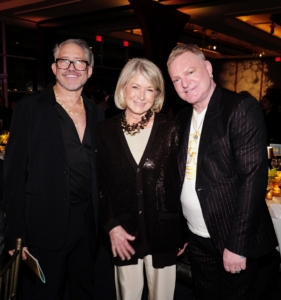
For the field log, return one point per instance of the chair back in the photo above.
(9, 274)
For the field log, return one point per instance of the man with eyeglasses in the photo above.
(50, 178)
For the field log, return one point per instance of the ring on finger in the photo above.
(238, 271)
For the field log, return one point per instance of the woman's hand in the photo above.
(183, 249)
(119, 243)
(23, 254)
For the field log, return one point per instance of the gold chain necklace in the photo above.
(63, 106)
(196, 133)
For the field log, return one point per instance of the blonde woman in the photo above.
(139, 185)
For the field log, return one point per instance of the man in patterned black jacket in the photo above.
(223, 167)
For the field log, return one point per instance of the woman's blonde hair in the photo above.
(150, 71)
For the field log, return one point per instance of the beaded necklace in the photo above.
(135, 127)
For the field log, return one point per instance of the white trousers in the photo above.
(129, 281)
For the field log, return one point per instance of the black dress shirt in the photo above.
(78, 156)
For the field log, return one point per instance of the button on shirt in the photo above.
(137, 145)
(78, 156)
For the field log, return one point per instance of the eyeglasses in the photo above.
(64, 64)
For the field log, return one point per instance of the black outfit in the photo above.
(109, 107)
(78, 156)
(143, 198)
(231, 181)
(258, 282)
(112, 110)
(50, 194)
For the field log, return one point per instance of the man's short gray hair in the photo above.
(79, 42)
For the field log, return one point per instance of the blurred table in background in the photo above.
(276, 221)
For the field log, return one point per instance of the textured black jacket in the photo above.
(144, 198)
(36, 188)
(232, 173)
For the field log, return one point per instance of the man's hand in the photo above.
(119, 243)
(232, 262)
(182, 250)
(23, 254)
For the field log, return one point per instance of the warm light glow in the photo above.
(261, 21)
(43, 7)
(278, 59)
(134, 31)
(248, 76)
(207, 50)
(14, 4)
(4, 137)
(126, 44)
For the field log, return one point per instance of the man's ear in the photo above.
(209, 67)
(90, 71)
(54, 68)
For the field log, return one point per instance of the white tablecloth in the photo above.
(277, 227)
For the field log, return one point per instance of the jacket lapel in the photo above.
(47, 103)
(211, 118)
(184, 143)
(93, 121)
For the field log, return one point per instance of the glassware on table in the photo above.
(269, 152)
(269, 195)
(276, 151)
(276, 183)
(279, 161)
(275, 163)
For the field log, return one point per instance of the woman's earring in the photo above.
(212, 76)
